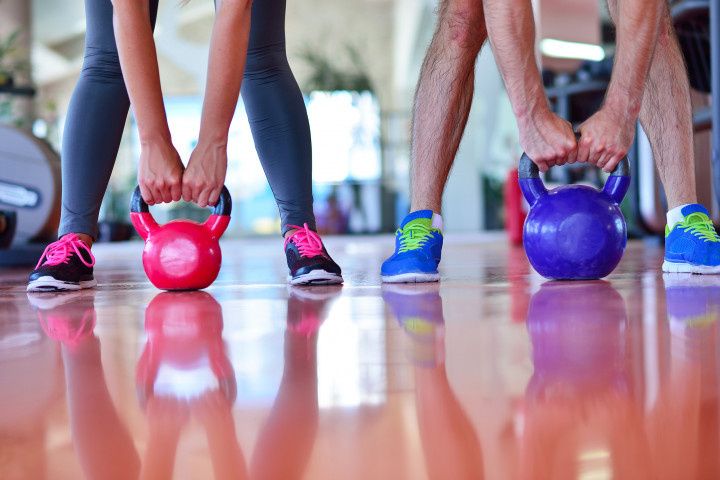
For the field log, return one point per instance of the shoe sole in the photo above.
(316, 277)
(50, 284)
(676, 267)
(411, 278)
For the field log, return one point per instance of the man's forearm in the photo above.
(511, 29)
(228, 51)
(138, 58)
(637, 23)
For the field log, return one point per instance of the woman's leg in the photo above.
(93, 130)
(95, 122)
(277, 115)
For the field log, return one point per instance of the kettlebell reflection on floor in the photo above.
(610, 393)
(581, 397)
(185, 373)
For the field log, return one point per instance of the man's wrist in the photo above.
(529, 116)
(622, 106)
(530, 105)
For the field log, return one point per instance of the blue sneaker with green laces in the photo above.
(418, 247)
(692, 245)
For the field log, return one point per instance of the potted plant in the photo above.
(10, 66)
(326, 76)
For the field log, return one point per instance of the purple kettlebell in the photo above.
(574, 232)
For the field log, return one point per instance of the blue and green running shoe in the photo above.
(418, 247)
(692, 245)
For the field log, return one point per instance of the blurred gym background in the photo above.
(357, 61)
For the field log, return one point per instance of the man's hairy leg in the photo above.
(443, 98)
(666, 114)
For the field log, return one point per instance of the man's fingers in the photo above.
(594, 156)
(612, 163)
(572, 156)
(583, 152)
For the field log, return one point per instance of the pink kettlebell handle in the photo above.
(144, 222)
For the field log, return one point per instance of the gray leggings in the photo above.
(99, 107)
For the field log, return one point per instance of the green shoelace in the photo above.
(413, 236)
(701, 226)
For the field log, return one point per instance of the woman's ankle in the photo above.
(85, 238)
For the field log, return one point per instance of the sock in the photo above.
(437, 221)
(675, 215)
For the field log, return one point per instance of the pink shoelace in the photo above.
(66, 330)
(61, 251)
(308, 242)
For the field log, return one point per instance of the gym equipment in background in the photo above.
(515, 213)
(29, 187)
(8, 222)
(182, 254)
(574, 232)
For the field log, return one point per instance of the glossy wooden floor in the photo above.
(492, 374)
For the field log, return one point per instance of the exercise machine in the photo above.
(29, 196)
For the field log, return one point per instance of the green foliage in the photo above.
(326, 75)
(10, 62)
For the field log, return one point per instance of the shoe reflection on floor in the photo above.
(684, 426)
(285, 443)
(450, 445)
(29, 387)
(103, 445)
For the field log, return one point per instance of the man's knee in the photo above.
(463, 22)
(666, 31)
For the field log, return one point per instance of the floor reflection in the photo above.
(30, 384)
(496, 375)
(102, 442)
(450, 445)
(184, 374)
(610, 397)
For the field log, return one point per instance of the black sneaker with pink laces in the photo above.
(308, 260)
(64, 265)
